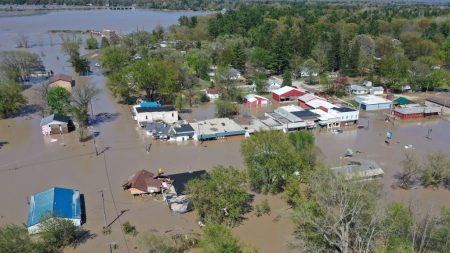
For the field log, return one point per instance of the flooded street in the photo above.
(30, 162)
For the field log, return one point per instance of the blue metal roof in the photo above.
(60, 202)
(150, 104)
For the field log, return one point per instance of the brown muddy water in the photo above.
(30, 162)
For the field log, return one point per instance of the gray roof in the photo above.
(306, 115)
(55, 117)
(418, 109)
(164, 108)
(343, 109)
(359, 169)
(157, 127)
(444, 101)
(183, 128)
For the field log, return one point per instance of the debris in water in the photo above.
(53, 140)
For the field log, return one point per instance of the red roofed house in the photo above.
(61, 80)
(253, 100)
(287, 93)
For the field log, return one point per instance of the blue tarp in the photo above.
(150, 104)
(59, 202)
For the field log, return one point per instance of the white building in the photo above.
(345, 115)
(166, 113)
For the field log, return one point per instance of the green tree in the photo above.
(304, 144)
(154, 77)
(398, 226)
(113, 59)
(353, 63)
(287, 78)
(220, 196)
(58, 99)
(260, 57)
(118, 84)
(239, 56)
(225, 108)
(15, 239)
(71, 48)
(180, 101)
(11, 98)
(217, 238)
(92, 43)
(155, 243)
(270, 159)
(57, 233)
(104, 43)
(80, 64)
(199, 64)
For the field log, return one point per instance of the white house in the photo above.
(308, 73)
(213, 93)
(166, 113)
(345, 115)
(358, 89)
(378, 90)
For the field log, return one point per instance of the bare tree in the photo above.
(42, 97)
(22, 41)
(436, 170)
(410, 169)
(82, 96)
(18, 65)
(340, 216)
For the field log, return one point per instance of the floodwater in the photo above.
(30, 162)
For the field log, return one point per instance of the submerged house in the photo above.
(61, 80)
(360, 170)
(217, 128)
(145, 182)
(373, 103)
(55, 202)
(165, 113)
(415, 111)
(56, 124)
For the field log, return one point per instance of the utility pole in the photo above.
(93, 132)
(104, 211)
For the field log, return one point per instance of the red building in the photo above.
(416, 112)
(287, 93)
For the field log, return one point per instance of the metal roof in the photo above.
(444, 101)
(418, 109)
(343, 109)
(59, 202)
(183, 128)
(306, 115)
(359, 169)
(164, 108)
(54, 117)
(403, 101)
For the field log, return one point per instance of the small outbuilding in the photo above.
(61, 80)
(252, 100)
(416, 111)
(56, 124)
(360, 170)
(54, 202)
(287, 93)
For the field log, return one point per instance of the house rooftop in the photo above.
(60, 77)
(60, 202)
(55, 117)
(403, 101)
(418, 109)
(440, 100)
(371, 99)
(217, 125)
(306, 115)
(164, 108)
(285, 89)
(344, 109)
(183, 128)
(308, 97)
(316, 103)
(361, 169)
(142, 180)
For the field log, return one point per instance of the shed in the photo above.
(287, 93)
(56, 124)
(255, 100)
(57, 202)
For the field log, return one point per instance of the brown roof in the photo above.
(440, 100)
(214, 90)
(142, 179)
(61, 77)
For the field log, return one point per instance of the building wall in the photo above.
(444, 110)
(376, 107)
(54, 129)
(63, 84)
(167, 117)
(36, 229)
(348, 116)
